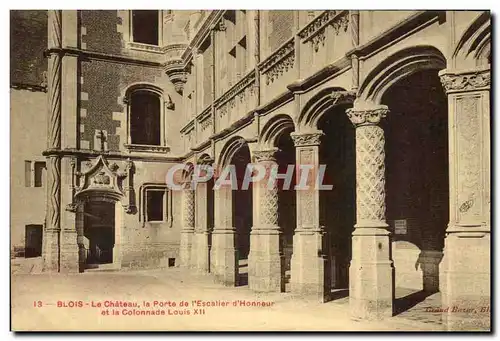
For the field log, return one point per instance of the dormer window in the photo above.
(145, 27)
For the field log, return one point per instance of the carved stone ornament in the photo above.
(106, 180)
(265, 155)
(307, 139)
(468, 81)
(367, 116)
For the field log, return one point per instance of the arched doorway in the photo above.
(417, 185)
(338, 205)
(242, 214)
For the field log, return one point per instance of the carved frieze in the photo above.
(468, 81)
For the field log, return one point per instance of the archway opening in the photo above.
(98, 233)
(417, 184)
(287, 201)
(242, 213)
(338, 205)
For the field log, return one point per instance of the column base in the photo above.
(308, 265)
(465, 282)
(223, 257)
(202, 253)
(69, 261)
(186, 244)
(371, 274)
(265, 261)
(50, 252)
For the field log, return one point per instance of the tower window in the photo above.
(145, 27)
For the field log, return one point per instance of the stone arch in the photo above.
(273, 129)
(229, 149)
(316, 107)
(474, 47)
(396, 67)
(187, 173)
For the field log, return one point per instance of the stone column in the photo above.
(308, 263)
(224, 255)
(371, 273)
(50, 252)
(200, 250)
(265, 259)
(465, 268)
(187, 232)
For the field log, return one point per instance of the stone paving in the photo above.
(173, 284)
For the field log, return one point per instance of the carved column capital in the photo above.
(265, 155)
(362, 117)
(307, 139)
(463, 81)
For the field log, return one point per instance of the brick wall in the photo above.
(280, 28)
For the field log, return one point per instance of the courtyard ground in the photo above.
(34, 302)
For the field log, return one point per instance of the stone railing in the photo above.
(279, 62)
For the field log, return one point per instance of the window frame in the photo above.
(167, 204)
(164, 105)
(131, 44)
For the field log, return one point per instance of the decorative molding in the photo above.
(145, 47)
(465, 81)
(240, 86)
(176, 72)
(367, 116)
(307, 139)
(315, 31)
(147, 148)
(29, 87)
(279, 62)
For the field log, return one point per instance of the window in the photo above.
(145, 118)
(155, 202)
(39, 174)
(145, 27)
(34, 173)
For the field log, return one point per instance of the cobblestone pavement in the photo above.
(173, 284)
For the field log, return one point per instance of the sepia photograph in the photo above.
(250, 170)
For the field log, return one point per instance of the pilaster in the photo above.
(371, 273)
(308, 263)
(224, 256)
(466, 265)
